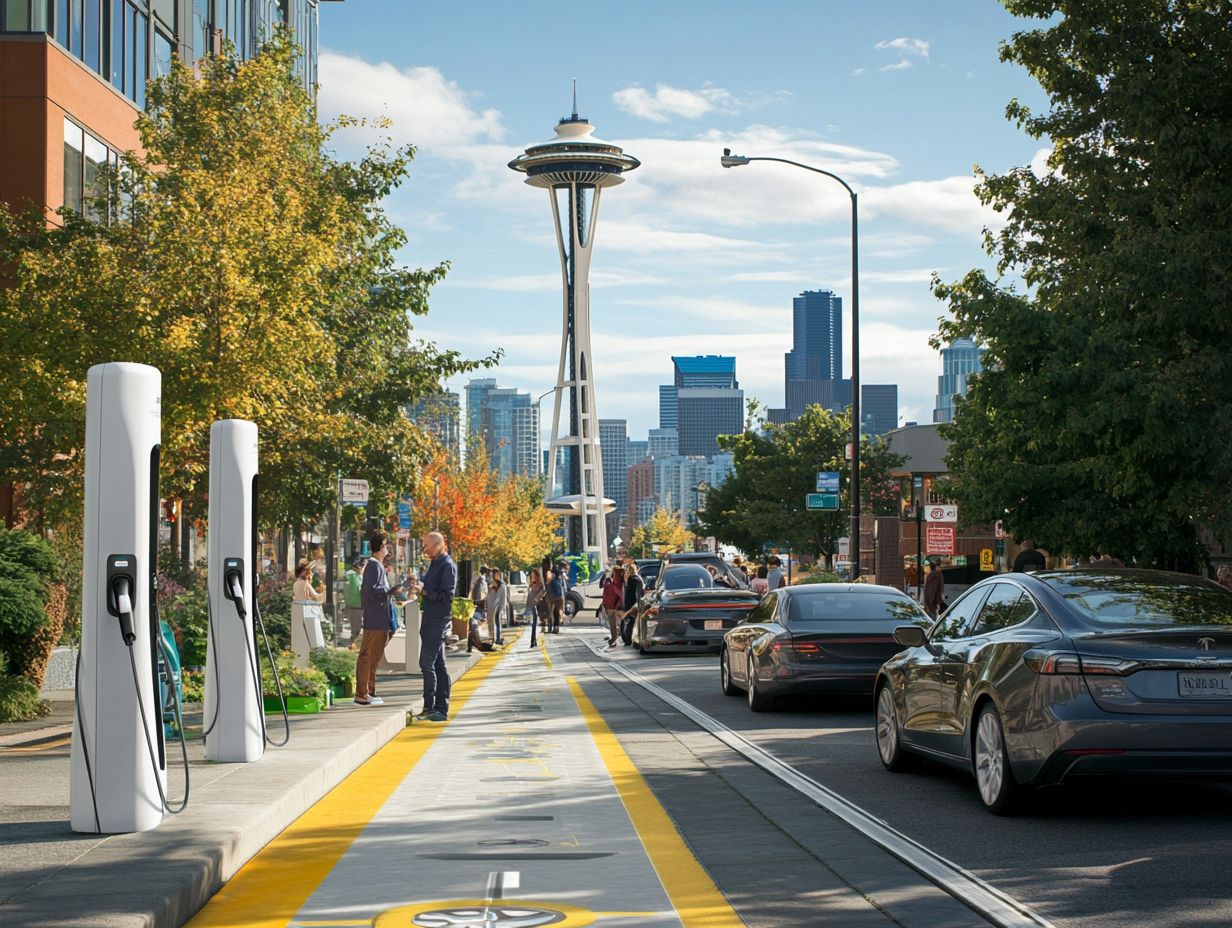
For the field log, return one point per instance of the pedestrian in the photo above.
(760, 583)
(479, 590)
(437, 587)
(1224, 577)
(934, 589)
(536, 602)
(352, 598)
(774, 574)
(614, 604)
(303, 591)
(1029, 560)
(497, 604)
(375, 594)
(556, 600)
(635, 586)
(739, 565)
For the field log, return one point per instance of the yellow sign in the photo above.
(986, 561)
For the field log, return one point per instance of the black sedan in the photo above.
(1031, 679)
(814, 638)
(687, 611)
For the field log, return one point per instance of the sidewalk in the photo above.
(52, 876)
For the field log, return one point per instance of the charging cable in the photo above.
(124, 605)
(85, 750)
(282, 699)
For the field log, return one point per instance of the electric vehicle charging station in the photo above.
(118, 771)
(234, 707)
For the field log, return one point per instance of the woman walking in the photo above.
(760, 583)
(537, 604)
(614, 604)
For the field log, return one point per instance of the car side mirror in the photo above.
(910, 636)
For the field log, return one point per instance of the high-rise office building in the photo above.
(959, 360)
(638, 451)
(73, 79)
(614, 450)
(641, 490)
(509, 429)
(677, 482)
(477, 392)
(667, 406)
(878, 408)
(707, 370)
(817, 337)
(663, 443)
(705, 414)
(440, 416)
(834, 395)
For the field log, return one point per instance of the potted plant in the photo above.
(338, 665)
(306, 689)
(462, 611)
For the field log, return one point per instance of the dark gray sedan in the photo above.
(814, 638)
(1030, 679)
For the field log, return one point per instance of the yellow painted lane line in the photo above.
(274, 885)
(543, 644)
(698, 902)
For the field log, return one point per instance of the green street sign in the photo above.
(821, 500)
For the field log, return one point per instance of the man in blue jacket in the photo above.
(437, 586)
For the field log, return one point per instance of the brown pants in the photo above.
(613, 623)
(371, 650)
(556, 606)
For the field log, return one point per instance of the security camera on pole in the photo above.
(234, 712)
(117, 780)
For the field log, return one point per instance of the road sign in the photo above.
(821, 500)
(939, 539)
(353, 492)
(827, 481)
(404, 515)
(986, 563)
(936, 512)
(773, 547)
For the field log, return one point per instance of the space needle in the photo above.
(574, 168)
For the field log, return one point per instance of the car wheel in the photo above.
(571, 607)
(758, 702)
(991, 763)
(889, 740)
(725, 675)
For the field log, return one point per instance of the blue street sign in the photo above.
(404, 515)
(828, 481)
(821, 500)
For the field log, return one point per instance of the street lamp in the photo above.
(547, 493)
(729, 160)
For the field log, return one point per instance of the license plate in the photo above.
(1205, 685)
(713, 625)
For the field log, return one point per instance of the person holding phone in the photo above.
(375, 595)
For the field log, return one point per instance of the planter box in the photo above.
(296, 705)
(343, 690)
(461, 628)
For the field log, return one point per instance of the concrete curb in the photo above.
(163, 877)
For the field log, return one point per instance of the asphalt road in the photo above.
(1096, 855)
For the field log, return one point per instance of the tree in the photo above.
(763, 500)
(1101, 420)
(523, 530)
(663, 532)
(459, 498)
(254, 269)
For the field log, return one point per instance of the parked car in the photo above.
(733, 578)
(814, 638)
(686, 610)
(1029, 680)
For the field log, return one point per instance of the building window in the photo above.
(74, 164)
(116, 25)
(91, 29)
(162, 54)
(84, 159)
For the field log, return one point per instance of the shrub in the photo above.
(296, 681)
(19, 700)
(819, 576)
(188, 616)
(338, 664)
(274, 601)
(28, 570)
(193, 683)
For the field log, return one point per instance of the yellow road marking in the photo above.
(697, 900)
(544, 647)
(274, 885)
(37, 748)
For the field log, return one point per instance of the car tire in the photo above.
(990, 762)
(758, 701)
(571, 608)
(725, 675)
(888, 734)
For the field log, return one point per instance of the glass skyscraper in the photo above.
(959, 360)
(817, 337)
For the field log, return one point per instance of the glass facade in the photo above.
(126, 42)
(84, 159)
(959, 361)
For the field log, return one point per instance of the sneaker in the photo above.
(375, 701)
(362, 702)
(611, 646)
(435, 717)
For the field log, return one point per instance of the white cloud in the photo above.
(667, 101)
(900, 65)
(424, 108)
(916, 48)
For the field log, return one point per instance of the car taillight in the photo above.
(1067, 662)
(801, 648)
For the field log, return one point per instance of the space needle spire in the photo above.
(574, 168)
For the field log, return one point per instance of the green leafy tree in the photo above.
(1101, 420)
(254, 269)
(663, 530)
(776, 467)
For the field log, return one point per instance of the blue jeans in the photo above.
(432, 665)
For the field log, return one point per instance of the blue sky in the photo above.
(902, 99)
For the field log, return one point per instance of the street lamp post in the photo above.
(731, 161)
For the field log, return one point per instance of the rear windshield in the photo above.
(1116, 601)
(686, 577)
(854, 607)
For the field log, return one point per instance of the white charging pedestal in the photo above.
(113, 787)
(233, 698)
(307, 635)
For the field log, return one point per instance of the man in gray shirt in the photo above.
(374, 595)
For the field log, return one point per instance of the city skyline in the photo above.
(695, 259)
